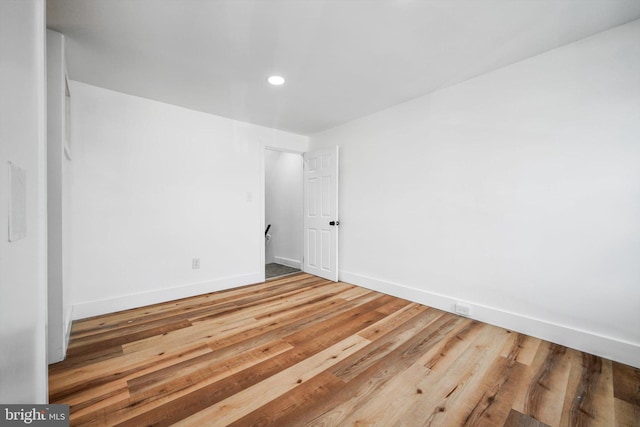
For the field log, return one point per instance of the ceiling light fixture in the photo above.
(276, 80)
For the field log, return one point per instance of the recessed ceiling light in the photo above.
(276, 80)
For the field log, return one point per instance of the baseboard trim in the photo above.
(126, 302)
(607, 347)
(288, 262)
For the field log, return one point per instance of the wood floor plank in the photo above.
(210, 302)
(572, 388)
(326, 335)
(253, 398)
(457, 387)
(89, 357)
(284, 326)
(208, 366)
(626, 414)
(98, 399)
(188, 381)
(493, 400)
(546, 393)
(142, 402)
(626, 383)
(386, 344)
(302, 350)
(256, 305)
(233, 323)
(518, 419)
(114, 338)
(393, 306)
(357, 292)
(594, 391)
(392, 321)
(527, 348)
(368, 381)
(337, 322)
(63, 385)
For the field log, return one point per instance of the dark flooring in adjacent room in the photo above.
(275, 270)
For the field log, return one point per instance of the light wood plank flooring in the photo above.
(301, 351)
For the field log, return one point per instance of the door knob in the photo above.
(332, 223)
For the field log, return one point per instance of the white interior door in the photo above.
(321, 213)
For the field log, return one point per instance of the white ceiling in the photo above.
(342, 59)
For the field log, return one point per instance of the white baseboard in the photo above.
(607, 347)
(125, 302)
(288, 262)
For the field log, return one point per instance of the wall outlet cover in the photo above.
(463, 309)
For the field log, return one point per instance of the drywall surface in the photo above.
(23, 262)
(154, 186)
(517, 191)
(283, 207)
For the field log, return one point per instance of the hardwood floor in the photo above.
(301, 351)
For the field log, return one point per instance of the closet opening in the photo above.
(283, 212)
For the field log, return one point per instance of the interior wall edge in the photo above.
(586, 341)
(111, 305)
(68, 323)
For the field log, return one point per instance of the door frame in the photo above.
(263, 196)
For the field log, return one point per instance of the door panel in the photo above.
(311, 255)
(320, 209)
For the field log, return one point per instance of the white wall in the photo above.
(156, 185)
(283, 207)
(23, 263)
(517, 191)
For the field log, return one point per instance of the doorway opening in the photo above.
(283, 212)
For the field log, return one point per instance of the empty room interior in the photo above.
(321, 213)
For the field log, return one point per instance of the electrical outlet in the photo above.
(463, 309)
(195, 263)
